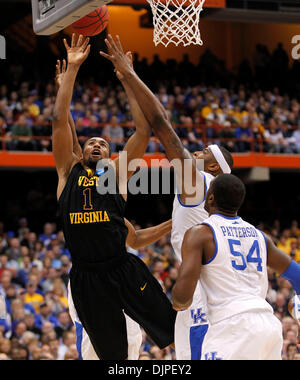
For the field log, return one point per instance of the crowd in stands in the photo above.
(34, 276)
(254, 108)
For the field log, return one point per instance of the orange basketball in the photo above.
(93, 23)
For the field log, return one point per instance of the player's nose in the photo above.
(197, 155)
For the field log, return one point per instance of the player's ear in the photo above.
(211, 199)
(214, 168)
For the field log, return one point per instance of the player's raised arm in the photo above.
(60, 72)
(138, 142)
(136, 145)
(61, 133)
(140, 238)
(158, 119)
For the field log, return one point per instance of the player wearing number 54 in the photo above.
(230, 257)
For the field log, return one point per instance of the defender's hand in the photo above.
(60, 72)
(119, 75)
(79, 50)
(121, 61)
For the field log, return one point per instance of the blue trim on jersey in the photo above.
(79, 331)
(293, 275)
(216, 244)
(198, 204)
(197, 335)
(227, 217)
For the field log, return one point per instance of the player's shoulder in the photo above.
(200, 233)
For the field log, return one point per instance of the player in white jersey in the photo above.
(192, 184)
(230, 257)
(192, 324)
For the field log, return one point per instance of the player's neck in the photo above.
(89, 170)
(229, 214)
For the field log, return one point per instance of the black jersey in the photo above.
(93, 224)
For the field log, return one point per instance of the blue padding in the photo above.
(79, 329)
(293, 275)
(197, 334)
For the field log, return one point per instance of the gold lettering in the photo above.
(100, 214)
(96, 217)
(80, 217)
(89, 217)
(106, 218)
(86, 218)
(81, 178)
(72, 217)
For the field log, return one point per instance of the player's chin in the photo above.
(91, 162)
(95, 157)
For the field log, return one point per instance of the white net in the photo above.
(176, 21)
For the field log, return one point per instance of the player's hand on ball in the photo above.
(294, 308)
(79, 49)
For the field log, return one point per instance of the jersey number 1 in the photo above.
(252, 257)
(87, 194)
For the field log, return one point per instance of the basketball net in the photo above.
(176, 21)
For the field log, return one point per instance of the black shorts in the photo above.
(100, 294)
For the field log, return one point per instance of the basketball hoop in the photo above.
(176, 21)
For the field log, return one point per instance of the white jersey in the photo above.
(235, 279)
(190, 323)
(184, 217)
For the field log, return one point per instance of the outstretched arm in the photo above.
(60, 72)
(140, 238)
(61, 134)
(191, 191)
(138, 142)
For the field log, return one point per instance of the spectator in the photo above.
(274, 139)
(64, 323)
(13, 251)
(45, 315)
(30, 321)
(66, 345)
(48, 234)
(32, 297)
(114, 134)
(227, 136)
(42, 128)
(21, 134)
(244, 135)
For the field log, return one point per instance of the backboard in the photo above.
(52, 16)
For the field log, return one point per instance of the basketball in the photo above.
(93, 23)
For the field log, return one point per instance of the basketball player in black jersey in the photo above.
(104, 279)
